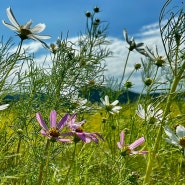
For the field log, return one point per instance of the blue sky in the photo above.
(139, 17)
(63, 16)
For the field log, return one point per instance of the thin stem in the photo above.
(43, 162)
(124, 69)
(72, 162)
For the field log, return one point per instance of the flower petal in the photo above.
(5, 106)
(41, 121)
(38, 28)
(116, 108)
(12, 18)
(107, 100)
(121, 142)
(136, 143)
(10, 26)
(141, 112)
(138, 152)
(63, 140)
(27, 25)
(83, 137)
(180, 131)
(172, 142)
(63, 121)
(53, 117)
(115, 102)
(150, 110)
(171, 134)
(125, 35)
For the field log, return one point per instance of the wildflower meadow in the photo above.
(63, 122)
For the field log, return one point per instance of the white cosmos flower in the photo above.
(151, 114)
(24, 31)
(177, 139)
(5, 106)
(79, 103)
(154, 55)
(132, 43)
(111, 108)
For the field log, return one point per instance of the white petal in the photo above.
(115, 102)
(27, 25)
(171, 142)
(148, 52)
(180, 131)
(38, 37)
(107, 100)
(38, 28)
(125, 35)
(140, 112)
(116, 108)
(10, 26)
(5, 106)
(12, 18)
(171, 134)
(150, 110)
(156, 54)
(102, 100)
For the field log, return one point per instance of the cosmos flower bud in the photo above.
(88, 14)
(128, 84)
(137, 66)
(148, 81)
(96, 9)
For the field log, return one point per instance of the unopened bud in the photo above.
(148, 81)
(128, 84)
(96, 9)
(137, 66)
(88, 14)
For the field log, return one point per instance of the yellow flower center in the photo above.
(54, 132)
(159, 61)
(79, 129)
(182, 142)
(109, 107)
(125, 151)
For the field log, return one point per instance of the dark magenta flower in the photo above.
(53, 132)
(79, 134)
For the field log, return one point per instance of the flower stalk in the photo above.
(40, 178)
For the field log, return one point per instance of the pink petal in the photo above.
(136, 143)
(63, 140)
(41, 121)
(121, 142)
(73, 118)
(53, 116)
(63, 121)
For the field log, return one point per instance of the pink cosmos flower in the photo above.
(53, 132)
(79, 134)
(129, 149)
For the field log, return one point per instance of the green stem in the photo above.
(43, 162)
(73, 160)
(151, 157)
(123, 75)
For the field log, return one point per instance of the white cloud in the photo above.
(148, 34)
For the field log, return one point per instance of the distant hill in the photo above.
(93, 95)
